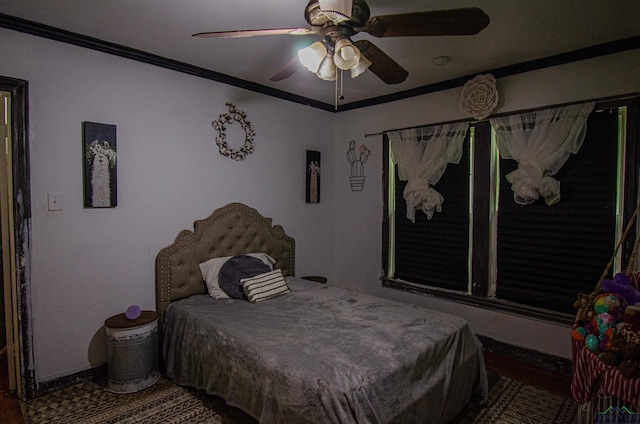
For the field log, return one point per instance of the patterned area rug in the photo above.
(511, 402)
(164, 402)
(91, 403)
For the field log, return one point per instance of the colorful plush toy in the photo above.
(606, 338)
(624, 350)
(614, 356)
(612, 314)
(629, 329)
(624, 356)
(604, 322)
(604, 325)
(610, 303)
(626, 359)
(598, 333)
(621, 284)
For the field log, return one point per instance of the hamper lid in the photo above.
(121, 320)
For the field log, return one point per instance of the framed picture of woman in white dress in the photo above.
(100, 165)
(313, 176)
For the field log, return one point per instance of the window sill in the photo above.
(481, 302)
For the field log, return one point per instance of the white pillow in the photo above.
(211, 268)
(264, 286)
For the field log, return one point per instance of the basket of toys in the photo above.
(606, 335)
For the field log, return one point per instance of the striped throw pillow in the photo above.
(264, 286)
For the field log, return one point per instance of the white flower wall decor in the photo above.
(479, 96)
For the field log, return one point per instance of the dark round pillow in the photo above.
(237, 268)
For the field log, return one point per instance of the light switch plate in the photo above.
(54, 201)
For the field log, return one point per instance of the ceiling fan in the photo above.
(336, 21)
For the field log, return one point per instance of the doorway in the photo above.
(15, 225)
(6, 217)
(4, 136)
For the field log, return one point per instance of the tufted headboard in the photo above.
(235, 229)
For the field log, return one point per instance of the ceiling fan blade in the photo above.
(256, 32)
(287, 70)
(385, 68)
(465, 21)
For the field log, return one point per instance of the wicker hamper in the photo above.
(604, 395)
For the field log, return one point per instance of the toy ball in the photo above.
(609, 303)
(579, 334)
(604, 321)
(606, 338)
(592, 342)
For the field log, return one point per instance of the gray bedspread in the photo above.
(326, 355)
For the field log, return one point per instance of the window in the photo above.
(485, 248)
(435, 252)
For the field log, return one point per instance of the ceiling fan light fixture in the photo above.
(362, 65)
(327, 69)
(312, 56)
(346, 54)
(335, 20)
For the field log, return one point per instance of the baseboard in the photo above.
(69, 380)
(531, 357)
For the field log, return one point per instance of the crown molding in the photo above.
(57, 34)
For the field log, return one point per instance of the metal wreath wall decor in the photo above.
(228, 118)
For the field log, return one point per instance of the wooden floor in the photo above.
(552, 382)
(11, 412)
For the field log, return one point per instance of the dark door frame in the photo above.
(19, 90)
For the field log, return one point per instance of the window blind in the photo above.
(436, 252)
(548, 254)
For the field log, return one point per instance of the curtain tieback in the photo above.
(529, 182)
(421, 196)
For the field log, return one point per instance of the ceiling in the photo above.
(520, 31)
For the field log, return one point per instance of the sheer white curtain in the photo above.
(422, 155)
(541, 143)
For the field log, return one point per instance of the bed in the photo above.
(314, 353)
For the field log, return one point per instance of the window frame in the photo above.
(483, 210)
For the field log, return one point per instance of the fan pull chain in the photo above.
(340, 78)
(336, 94)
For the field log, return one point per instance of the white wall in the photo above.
(358, 232)
(89, 264)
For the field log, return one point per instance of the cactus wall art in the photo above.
(357, 160)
